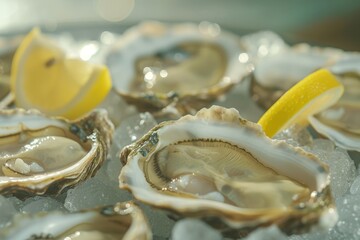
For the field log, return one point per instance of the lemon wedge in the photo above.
(42, 77)
(311, 95)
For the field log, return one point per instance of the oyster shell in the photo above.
(222, 168)
(41, 155)
(340, 123)
(121, 221)
(182, 67)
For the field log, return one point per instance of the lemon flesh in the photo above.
(44, 78)
(311, 95)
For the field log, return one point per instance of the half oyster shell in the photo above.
(340, 123)
(41, 155)
(183, 67)
(222, 168)
(122, 221)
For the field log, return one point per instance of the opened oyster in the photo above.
(41, 154)
(122, 221)
(222, 168)
(340, 123)
(182, 67)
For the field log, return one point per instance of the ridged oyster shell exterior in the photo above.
(122, 221)
(218, 124)
(43, 154)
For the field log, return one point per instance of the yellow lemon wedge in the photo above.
(311, 95)
(42, 77)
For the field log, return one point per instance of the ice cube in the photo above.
(355, 187)
(117, 108)
(7, 211)
(133, 128)
(261, 44)
(342, 168)
(108, 174)
(355, 156)
(311, 236)
(159, 221)
(112, 169)
(270, 233)
(349, 218)
(295, 135)
(323, 145)
(17, 203)
(193, 229)
(130, 130)
(239, 99)
(93, 193)
(41, 204)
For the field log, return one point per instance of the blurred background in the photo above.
(326, 23)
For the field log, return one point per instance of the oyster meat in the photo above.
(121, 221)
(40, 154)
(183, 67)
(222, 168)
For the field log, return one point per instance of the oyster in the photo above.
(182, 67)
(122, 221)
(340, 123)
(222, 168)
(41, 155)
